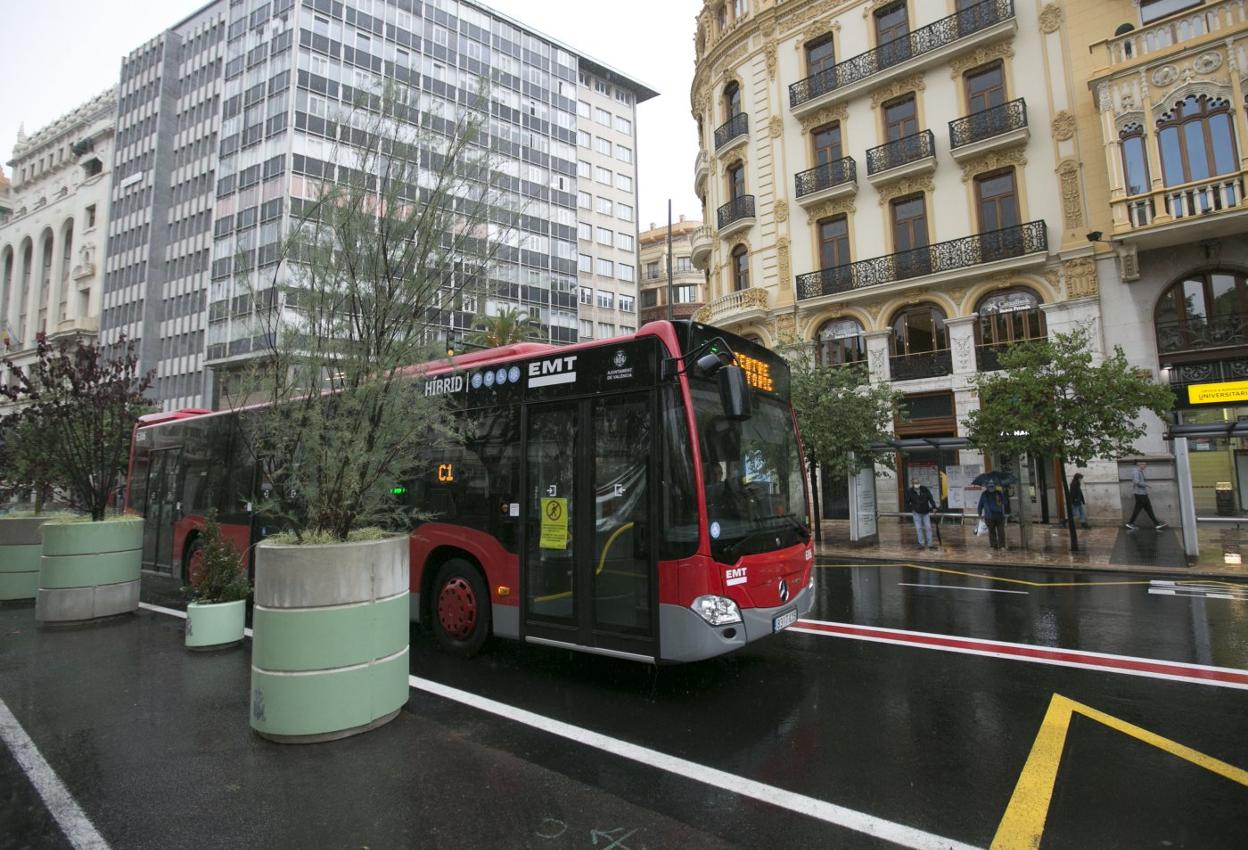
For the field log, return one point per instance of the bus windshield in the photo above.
(755, 490)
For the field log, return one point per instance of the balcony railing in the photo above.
(737, 125)
(1196, 23)
(988, 123)
(826, 176)
(901, 151)
(728, 306)
(923, 40)
(1193, 199)
(969, 251)
(927, 364)
(735, 210)
(1217, 332)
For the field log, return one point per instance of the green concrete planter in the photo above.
(89, 570)
(215, 625)
(329, 655)
(20, 546)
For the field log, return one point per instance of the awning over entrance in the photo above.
(1208, 429)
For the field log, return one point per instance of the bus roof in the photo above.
(171, 415)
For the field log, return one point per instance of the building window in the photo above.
(603, 268)
(686, 294)
(985, 87)
(602, 116)
(649, 298)
(586, 293)
(684, 264)
(909, 219)
(603, 146)
(584, 200)
(1204, 310)
(606, 300)
(891, 28)
(605, 330)
(840, 341)
(582, 109)
(91, 216)
(604, 206)
(627, 304)
(901, 118)
(602, 175)
(833, 242)
(1196, 140)
(740, 8)
(585, 263)
(1151, 10)
(624, 241)
(623, 154)
(1009, 316)
(740, 268)
(624, 212)
(919, 330)
(627, 273)
(584, 230)
(736, 181)
(583, 138)
(732, 100)
(623, 125)
(827, 143)
(605, 236)
(1134, 159)
(996, 200)
(623, 182)
(819, 55)
(586, 329)
(652, 271)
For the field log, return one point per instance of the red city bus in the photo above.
(625, 497)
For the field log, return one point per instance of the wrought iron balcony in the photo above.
(834, 173)
(926, 364)
(737, 125)
(924, 40)
(988, 123)
(901, 151)
(966, 252)
(1194, 335)
(735, 210)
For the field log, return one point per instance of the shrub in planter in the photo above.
(217, 612)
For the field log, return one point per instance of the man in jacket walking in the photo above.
(993, 508)
(1139, 489)
(920, 504)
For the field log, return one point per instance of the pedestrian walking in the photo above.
(1139, 489)
(993, 507)
(1078, 505)
(920, 504)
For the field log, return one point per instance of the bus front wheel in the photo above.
(193, 563)
(461, 608)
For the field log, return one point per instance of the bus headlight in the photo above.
(716, 610)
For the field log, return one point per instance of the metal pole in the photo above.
(669, 259)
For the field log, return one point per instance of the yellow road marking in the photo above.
(1022, 826)
(1002, 579)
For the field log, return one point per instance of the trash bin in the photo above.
(1226, 498)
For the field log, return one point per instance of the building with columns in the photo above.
(1161, 128)
(688, 291)
(895, 183)
(52, 240)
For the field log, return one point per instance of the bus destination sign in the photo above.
(757, 373)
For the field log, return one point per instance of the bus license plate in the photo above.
(785, 620)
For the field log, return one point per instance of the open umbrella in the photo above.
(1001, 479)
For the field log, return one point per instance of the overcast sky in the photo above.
(60, 53)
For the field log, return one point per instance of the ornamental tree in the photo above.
(1050, 400)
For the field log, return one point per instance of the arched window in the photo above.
(1203, 310)
(919, 330)
(1196, 140)
(840, 341)
(1006, 317)
(6, 287)
(740, 268)
(732, 100)
(1134, 159)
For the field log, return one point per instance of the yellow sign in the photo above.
(1229, 391)
(446, 472)
(554, 524)
(757, 373)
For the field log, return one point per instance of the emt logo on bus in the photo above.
(757, 373)
(560, 370)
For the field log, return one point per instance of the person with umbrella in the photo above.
(993, 507)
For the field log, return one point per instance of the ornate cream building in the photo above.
(52, 242)
(688, 283)
(897, 183)
(1162, 135)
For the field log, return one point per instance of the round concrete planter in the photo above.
(89, 570)
(215, 625)
(20, 545)
(329, 655)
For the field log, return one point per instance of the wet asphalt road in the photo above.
(919, 736)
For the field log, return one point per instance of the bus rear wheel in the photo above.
(460, 608)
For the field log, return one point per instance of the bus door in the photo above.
(160, 511)
(589, 568)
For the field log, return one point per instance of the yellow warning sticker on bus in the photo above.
(554, 524)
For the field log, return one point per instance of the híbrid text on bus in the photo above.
(630, 497)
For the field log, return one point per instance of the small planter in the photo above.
(20, 546)
(89, 570)
(329, 654)
(215, 625)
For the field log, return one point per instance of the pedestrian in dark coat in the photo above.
(920, 504)
(992, 508)
(1078, 505)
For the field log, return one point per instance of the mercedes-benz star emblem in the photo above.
(784, 591)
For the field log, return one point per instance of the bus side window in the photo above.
(679, 524)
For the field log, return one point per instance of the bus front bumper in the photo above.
(684, 636)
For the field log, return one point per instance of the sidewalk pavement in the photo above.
(1100, 548)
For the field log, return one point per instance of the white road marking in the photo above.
(76, 826)
(960, 587)
(831, 813)
(1209, 590)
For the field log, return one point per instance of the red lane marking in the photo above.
(1066, 655)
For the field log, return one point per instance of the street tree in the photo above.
(79, 405)
(843, 416)
(377, 260)
(1050, 400)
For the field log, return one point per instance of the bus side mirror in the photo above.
(734, 393)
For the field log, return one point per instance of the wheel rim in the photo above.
(195, 567)
(457, 608)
